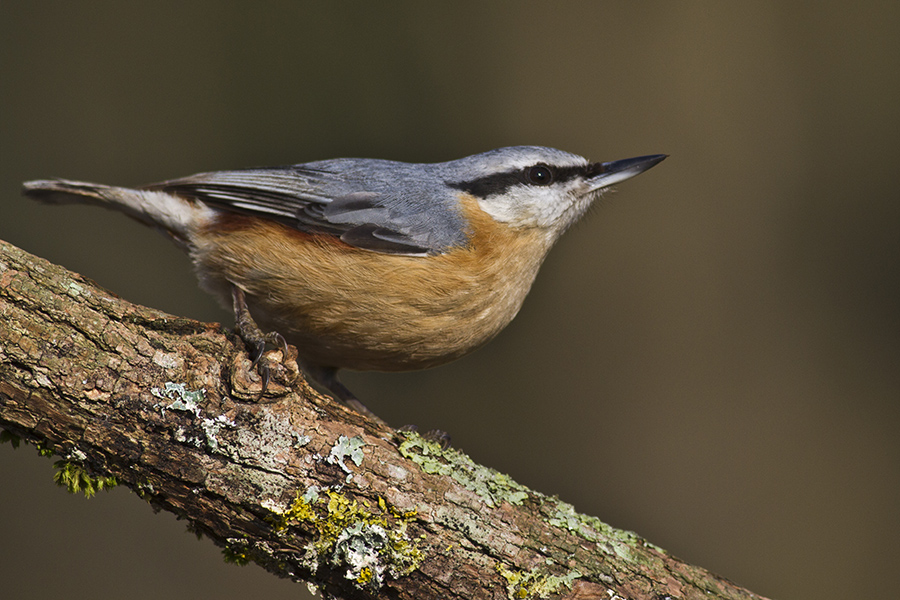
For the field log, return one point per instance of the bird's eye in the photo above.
(539, 175)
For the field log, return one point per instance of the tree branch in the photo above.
(293, 481)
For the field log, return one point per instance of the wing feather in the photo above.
(309, 199)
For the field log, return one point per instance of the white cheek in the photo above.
(529, 208)
(575, 211)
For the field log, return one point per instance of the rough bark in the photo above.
(292, 481)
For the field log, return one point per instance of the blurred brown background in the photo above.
(710, 358)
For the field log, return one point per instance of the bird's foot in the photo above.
(438, 436)
(326, 377)
(256, 340)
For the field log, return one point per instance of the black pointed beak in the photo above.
(610, 173)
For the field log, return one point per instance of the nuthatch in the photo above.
(369, 264)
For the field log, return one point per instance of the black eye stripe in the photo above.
(499, 183)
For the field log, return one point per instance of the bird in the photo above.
(368, 264)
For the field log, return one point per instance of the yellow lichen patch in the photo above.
(369, 546)
(536, 583)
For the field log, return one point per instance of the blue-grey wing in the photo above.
(363, 213)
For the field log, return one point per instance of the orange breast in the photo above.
(346, 307)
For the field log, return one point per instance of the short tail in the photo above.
(177, 216)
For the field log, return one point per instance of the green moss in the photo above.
(236, 554)
(536, 583)
(70, 472)
(43, 449)
(368, 545)
(492, 486)
(144, 490)
(75, 478)
(9, 436)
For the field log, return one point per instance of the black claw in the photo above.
(257, 354)
(442, 438)
(281, 343)
(263, 370)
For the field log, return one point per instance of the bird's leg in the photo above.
(253, 336)
(438, 436)
(327, 378)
